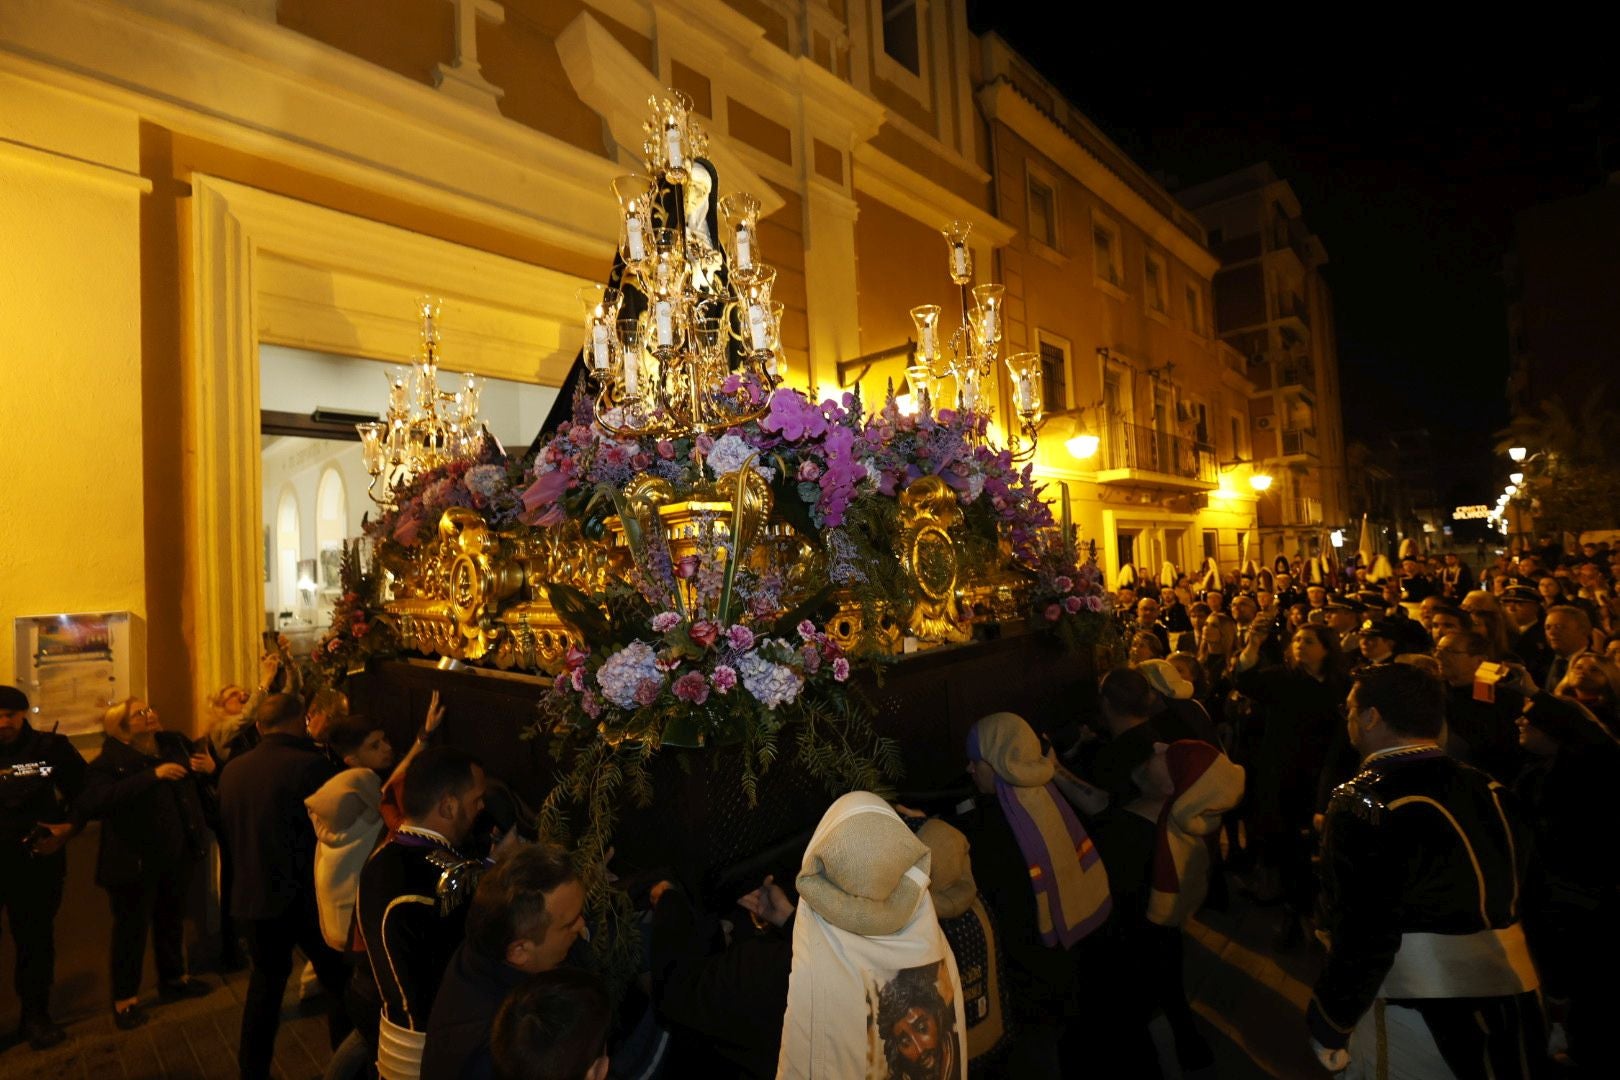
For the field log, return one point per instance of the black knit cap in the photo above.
(13, 699)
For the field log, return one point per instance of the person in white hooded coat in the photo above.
(874, 991)
(347, 814)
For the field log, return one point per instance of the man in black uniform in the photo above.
(412, 903)
(40, 773)
(1422, 868)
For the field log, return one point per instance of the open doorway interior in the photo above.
(315, 488)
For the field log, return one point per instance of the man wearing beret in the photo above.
(40, 774)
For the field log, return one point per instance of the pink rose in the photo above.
(704, 443)
(686, 567)
(1062, 583)
(809, 471)
(576, 656)
(640, 460)
(1071, 604)
(840, 669)
(1094, 603)
(723, 679)
(704, 632)
(577, 677)
(1052, 612)
(666, 449)
(692, 687)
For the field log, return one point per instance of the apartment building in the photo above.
(1274, 308)
(1109, 279)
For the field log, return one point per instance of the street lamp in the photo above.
(1260, 482)
(1516, 478)
(1517, 453)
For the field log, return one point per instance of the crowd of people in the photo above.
(1407, 768)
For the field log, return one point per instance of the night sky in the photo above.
(1409, 168)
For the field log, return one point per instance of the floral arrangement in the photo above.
(360, 628)
(488, 483)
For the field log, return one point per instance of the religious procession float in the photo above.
(699, 559)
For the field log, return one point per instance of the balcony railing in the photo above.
(1298, 441)
(1144, 449)
(1296, 372)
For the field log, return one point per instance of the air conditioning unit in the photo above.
(1264, 423)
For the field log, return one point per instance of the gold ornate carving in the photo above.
(475, 594)
(928, 511)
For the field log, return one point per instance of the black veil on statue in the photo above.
(668, 208)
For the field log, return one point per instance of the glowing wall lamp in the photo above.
(1084, 445)
(1516, 478)
(1260, 482)
(1517, 453)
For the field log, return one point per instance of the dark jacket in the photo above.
(261, 797)
(147, 824)
(408, 934)
(40, 773)
(722, 1005)
(1040, 979)
(1419, 843)
(470, 995)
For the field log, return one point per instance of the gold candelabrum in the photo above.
(969, 355)
(669, 370)
(426, 426)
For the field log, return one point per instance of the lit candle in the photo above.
(663, 314)
(599, 343)
(758, 331)
(633, 240)
(927, 345)
(672, 146)
(959, 260)
(630, 360)
(969, 394)
(745, 254)
(1026, 394)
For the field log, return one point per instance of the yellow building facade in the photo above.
(1108, 279)
(188, 186)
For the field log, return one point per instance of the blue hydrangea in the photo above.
(770, 684)
(625, 671)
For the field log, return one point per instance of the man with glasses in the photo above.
(1423, 865)
(40, 775)
(1480, 714)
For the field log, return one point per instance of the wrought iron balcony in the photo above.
(1142, 456)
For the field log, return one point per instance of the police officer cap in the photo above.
(1381, 627)
(1522, 593)
(1346, 603)
(13, 699)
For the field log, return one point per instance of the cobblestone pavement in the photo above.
(1251, 999)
